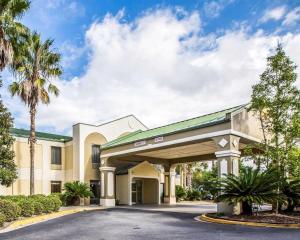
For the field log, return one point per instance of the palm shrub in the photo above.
(180, 192)
(291, 190)
(193, 194)
(76, 190)
(251, 186)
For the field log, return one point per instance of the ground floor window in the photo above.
(55, 186)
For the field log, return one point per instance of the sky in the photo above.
(162, 61)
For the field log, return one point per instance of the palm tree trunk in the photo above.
(189, 176)
(32, 141)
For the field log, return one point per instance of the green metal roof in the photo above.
(197, 122)
(17, 132)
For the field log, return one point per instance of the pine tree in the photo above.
(276, 100)
(8, 168)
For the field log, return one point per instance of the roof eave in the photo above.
(226, 119)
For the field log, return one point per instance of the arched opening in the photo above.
(92, 145)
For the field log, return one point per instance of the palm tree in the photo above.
(10, 30)
(251, 186)
(76, 190)
(291, 190)
(35, 67)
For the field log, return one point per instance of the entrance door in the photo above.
(95, 188)
(137, 192)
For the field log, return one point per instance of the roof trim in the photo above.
(226, 119)
(105, 123)
(24, 133)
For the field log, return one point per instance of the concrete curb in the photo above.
(42, 218)
(205, 218)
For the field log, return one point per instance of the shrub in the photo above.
(57, 202)
(193, 194)
(61, 197)
(251, 186)
(10, 209)
(180, 193)
(76, 190)
(38, 207)
(47, 203)
(2, 219)
(291, 190)
(27, 207)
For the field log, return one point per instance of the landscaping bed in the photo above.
(262, 217)
(18, 207)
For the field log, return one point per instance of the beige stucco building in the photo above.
(126, 163)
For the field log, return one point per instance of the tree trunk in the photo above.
(32, 141)
(246, 208)
(189, 176)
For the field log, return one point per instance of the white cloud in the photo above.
(292, 17)
(159, 68)
(213, 8)
(273, 14)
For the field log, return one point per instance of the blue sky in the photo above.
(67, 20)
(160, 60)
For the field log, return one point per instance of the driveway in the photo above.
(130, 224)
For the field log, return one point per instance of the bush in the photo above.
(38, 207)
(193, 194)
(57, 202)
(76, 190)
(61, 197)
(180, 193)
(47, 202)
(27, 207)
(2, 219)
(250, 187)
(10, 209)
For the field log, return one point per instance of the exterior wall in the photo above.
(150, 191)
(122, 190)
(69, 162)
(110, 131)
(247, 123)
(91, 172)
(44, 172)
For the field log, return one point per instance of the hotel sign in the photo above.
(158, 139)
(140, 143)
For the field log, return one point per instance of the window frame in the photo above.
(92, 157)
(58, 163)
(55, 183)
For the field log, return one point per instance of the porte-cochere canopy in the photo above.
(218, 136)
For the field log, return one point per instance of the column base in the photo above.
(225, 208)
(170, 200)
(107, 202)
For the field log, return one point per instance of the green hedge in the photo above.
(2, 219)
(27, 207)
(12, 207)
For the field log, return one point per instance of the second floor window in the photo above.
(95, 153)
(56, 155)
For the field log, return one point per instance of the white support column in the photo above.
(107, 176)
(228, 156)
(169, 185)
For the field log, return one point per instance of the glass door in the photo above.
(95, 188)
(137, 192)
